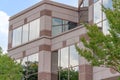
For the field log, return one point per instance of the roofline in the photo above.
(41, 3)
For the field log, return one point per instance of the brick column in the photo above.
(44, 70)
(85, 70)
(10, 37)
(91, 12)
(47, 59)
(48, 64)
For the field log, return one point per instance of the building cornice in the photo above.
(42, 3)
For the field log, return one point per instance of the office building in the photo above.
(46, 33)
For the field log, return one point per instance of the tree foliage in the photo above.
(63, 74)
(30, 70)
(101, 49)
(9, 68)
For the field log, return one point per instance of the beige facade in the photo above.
(41, 43)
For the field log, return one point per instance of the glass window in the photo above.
(24, 61)
(33, 58)
(25, 33)
(97, 12)
(30, 67)
(59, 26)
(56, 30)
(107, 3)
(34, 29)
(18, 60)
(65, 27)
(105, 27)
(73, 56)
(65, 22)
(68, 63)
(99, 25)
(104, 16)
(64, 57)
(17, 34)
(95, 0)
(81, 5)
(71, 25)
(56, 21)
(86, 3)
(59, 58)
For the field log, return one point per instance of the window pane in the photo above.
(97, 12)
(64, 57)
(25, 34)
(107, 3)
(56, 21)
(99, 25)
(105, 27)
(65, 28)
(104, 16)
(33, 58)
(95, 0)
(18, 60)
(71, 25)
(24, 61)
(59, 26)
(32, 68)
(73, 56)
(34, 29)
(56, 30)
(17, 33)
(86, 3)
(59, 58)
(81, 5)
(65, 22)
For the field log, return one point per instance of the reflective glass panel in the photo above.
(104, 16)
(95, 0)
(24, 61)
(59, 26)
(107, 3)
(34, 29)
(59, 58)
(97, 12)
(56, 30)
(25, 33)
(73, 56)
(65, 22)
(64, 57)
(99, 25)
(33, 58)
(17, 34)
(86, 3)
(105, 27)
(65, 27)
(71, 25)
(56, 21)
(18, 60)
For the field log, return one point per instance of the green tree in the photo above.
(63, 74)
(9, 68)
(30, 70)
(100, 49)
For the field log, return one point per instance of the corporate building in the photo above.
(46, 33)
